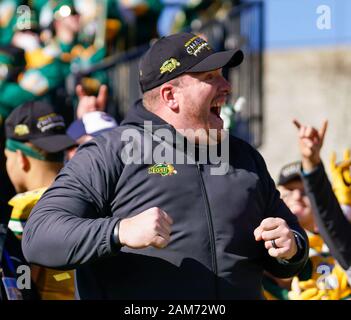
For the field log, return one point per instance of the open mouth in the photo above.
(216, 111)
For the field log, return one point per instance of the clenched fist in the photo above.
(152, 227)
(278, 239)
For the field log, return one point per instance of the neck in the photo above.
(42, 174)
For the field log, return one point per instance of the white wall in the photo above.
(310, 85)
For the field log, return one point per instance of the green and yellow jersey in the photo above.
(51, 284)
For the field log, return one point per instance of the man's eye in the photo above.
(209, 76)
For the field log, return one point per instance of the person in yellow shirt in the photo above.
(35, 144)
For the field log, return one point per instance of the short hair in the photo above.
(151, 97)
(49, 157)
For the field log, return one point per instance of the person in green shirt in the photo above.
(8, 19)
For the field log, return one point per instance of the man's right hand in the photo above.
(152, 227)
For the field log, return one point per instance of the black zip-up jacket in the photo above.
(212, 253)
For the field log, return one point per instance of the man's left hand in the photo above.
(276, 229)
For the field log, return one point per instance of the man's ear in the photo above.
(22, 161)
(168, 97)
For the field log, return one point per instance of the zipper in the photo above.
(210, 227)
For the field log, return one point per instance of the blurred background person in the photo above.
(332, 221)
(35, 145)
(89, 126)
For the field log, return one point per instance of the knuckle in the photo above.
(279, 221)
(157, 218)
(289, 243)
(155, 215)
(272, 252)
(287, 232)
(163, 243)
(264, 236)
(154, 225)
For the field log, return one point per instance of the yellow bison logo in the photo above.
(169, 65)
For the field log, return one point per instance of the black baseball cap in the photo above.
(171, 56)
(290, 172)
(38, 123)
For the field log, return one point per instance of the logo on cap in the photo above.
(169, 65)
(52, 120)
(21, 130)
(293, 168)
(196, 45)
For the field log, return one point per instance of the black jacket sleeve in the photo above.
(275, 207)
(333, 226)
(72, 223)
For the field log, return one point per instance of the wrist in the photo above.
(121, 227)
(300, 251)
(116, 235)
(299, 247)
(309, 165)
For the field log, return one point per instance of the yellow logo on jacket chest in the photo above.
(162, 169)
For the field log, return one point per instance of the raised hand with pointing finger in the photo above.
(310, 143)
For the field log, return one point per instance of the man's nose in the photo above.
(225, 85)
